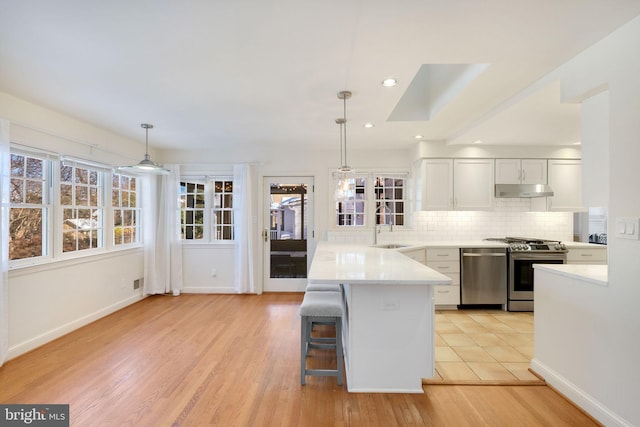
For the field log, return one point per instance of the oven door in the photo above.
(521, 272)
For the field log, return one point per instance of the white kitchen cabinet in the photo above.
(447, 262)
(565, 179)
(596, 255)
(462, 184)
(521, 171)
(473, 184)
(437, 184)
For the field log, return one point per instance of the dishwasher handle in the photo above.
(489, 254)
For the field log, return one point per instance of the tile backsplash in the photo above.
(510, 217)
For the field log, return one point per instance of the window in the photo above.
(223, 209)
(81, 201)
(126, 217)
(389, 196)
(29, 209)
(351, 212)
(387, 192)
(192, 209)
(206, 209)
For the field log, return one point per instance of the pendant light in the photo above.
(345, 177)
(147, 165)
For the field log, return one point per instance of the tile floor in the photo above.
(484, 345)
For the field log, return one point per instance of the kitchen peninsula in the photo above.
(389, 315)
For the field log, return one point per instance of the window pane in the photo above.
(66, 174)
(17, 165)
(17, 191)
(25, 233)
(34, 192)
(82, 176)
(35, 168)
(82, 196)
(66, 192)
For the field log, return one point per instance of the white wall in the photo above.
(614, 347)
(48, 301)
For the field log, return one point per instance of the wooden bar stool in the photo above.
(326, 308)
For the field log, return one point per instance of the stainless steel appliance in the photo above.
(523, 253)
(483, 276)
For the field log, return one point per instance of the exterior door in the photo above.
(288, 232)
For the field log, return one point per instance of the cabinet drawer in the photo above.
(587, 255)
(443, 254)
(445, 267)
(446, 295)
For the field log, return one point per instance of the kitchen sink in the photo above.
(390, 246)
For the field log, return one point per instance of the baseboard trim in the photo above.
(577, 396)
(33, 343)
(208, 290)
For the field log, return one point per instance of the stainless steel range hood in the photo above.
(523, 190)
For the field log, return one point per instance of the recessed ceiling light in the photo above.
(478, 141)
(368, 125)
(419, 136)
(390, 82)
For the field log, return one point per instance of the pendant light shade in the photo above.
(146, 166)
(345, 176)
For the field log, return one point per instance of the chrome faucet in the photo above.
(377, 228)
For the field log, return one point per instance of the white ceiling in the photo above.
(210, 73)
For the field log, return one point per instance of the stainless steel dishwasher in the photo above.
(483, 276)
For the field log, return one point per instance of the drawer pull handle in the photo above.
(443, 292)
(586, 254)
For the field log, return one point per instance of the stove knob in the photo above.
(563, 247)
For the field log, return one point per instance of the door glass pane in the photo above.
(288, 231)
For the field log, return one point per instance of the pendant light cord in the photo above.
(344, 103)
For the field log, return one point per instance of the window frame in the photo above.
(54, 227)
(137, 211)
(371, 202)
(209, 232)
(46, 206)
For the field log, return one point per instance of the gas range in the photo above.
(531, 245)
(523, 254)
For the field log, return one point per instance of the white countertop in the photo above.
(597, 274)
(347, 263)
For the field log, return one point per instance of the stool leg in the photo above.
(339, 350)
(303, 349)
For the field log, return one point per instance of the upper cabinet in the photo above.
(463, 184)
(521, 171)
(473, 184)
(437, 184)
(565, 179)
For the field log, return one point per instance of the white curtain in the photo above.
(5, 165)
(162, 243)
(244, 221)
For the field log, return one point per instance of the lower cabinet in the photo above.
(447, 262)
(593, 255)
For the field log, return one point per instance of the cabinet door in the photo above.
(473, 184)
(565, 179)
(508, 171)
(437, 184)
(534, 171)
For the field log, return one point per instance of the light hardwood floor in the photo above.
(233, 360)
